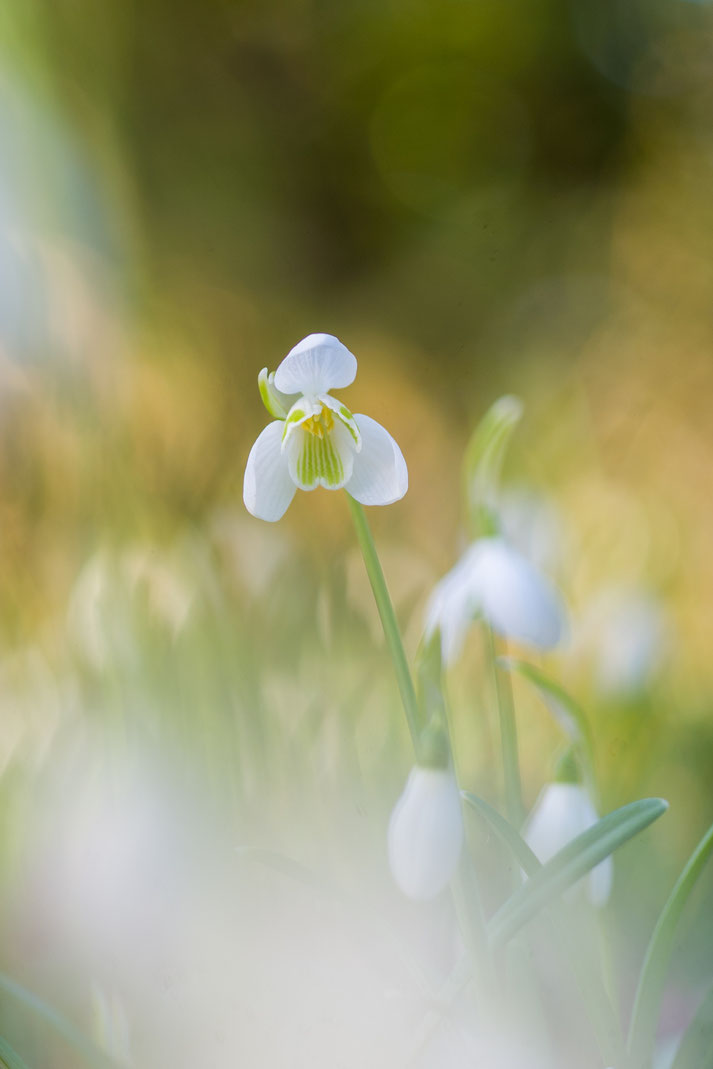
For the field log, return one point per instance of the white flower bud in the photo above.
(426, 833)
(561, 813)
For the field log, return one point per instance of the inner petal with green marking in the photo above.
(320, 452)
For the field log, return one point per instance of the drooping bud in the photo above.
(426, 833)
(561, 813)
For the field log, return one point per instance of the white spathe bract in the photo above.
(426, 833)
(561, 813)
(494, 581)
(316, 441)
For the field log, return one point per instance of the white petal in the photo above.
(514, 597)
(558, 816)
(426, 833)
(316, 364)
(452, 608)
(267, 487)
(380, 474)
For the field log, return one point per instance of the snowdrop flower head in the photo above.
(562, 812)
(315, 440)
(492, 580)
(630, 639)
(426, 833)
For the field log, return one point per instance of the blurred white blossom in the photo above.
(561, 813)
(493, 581)
(426, 833)
(624, 635)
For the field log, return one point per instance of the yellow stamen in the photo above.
(321, 424)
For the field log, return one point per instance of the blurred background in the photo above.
(476, 198)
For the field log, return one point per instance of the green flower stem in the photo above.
(468, 906)
(388, 621)
(508, 734)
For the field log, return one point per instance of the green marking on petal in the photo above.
(349, 422)
(296, 414)
(319, 462)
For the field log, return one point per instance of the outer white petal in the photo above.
(514, 597)
(559, 815)
(562, 812)
(380, 475)
(267, 487)
(426, 833)
(452, 607)
(316, 364)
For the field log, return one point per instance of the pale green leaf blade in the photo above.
(696, 1047)
(9, 1056)
(647, 1002)
(508, 835)
(90, 1053)
(483, 460)
(597, 1003)
(568, 714)
(575, 860)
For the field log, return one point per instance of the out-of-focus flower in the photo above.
(315, 440)
(625, 634)
(493, 581)
(561, 813)
(426, 833)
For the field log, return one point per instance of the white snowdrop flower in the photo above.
(315, 440)
(561, 813)
(493, 581)
(629, 634)
(426, 833)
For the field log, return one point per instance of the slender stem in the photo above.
(468, 906)
(388, 620)
(508, 735)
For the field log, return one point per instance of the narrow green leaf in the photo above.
(91, 1054)
(508, 835)
(389, 622)
(642, 1030)
(483, 460)
(597, 1003)
(575, 860)
(568, 714)
(696, 1047)
(9, 1056)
